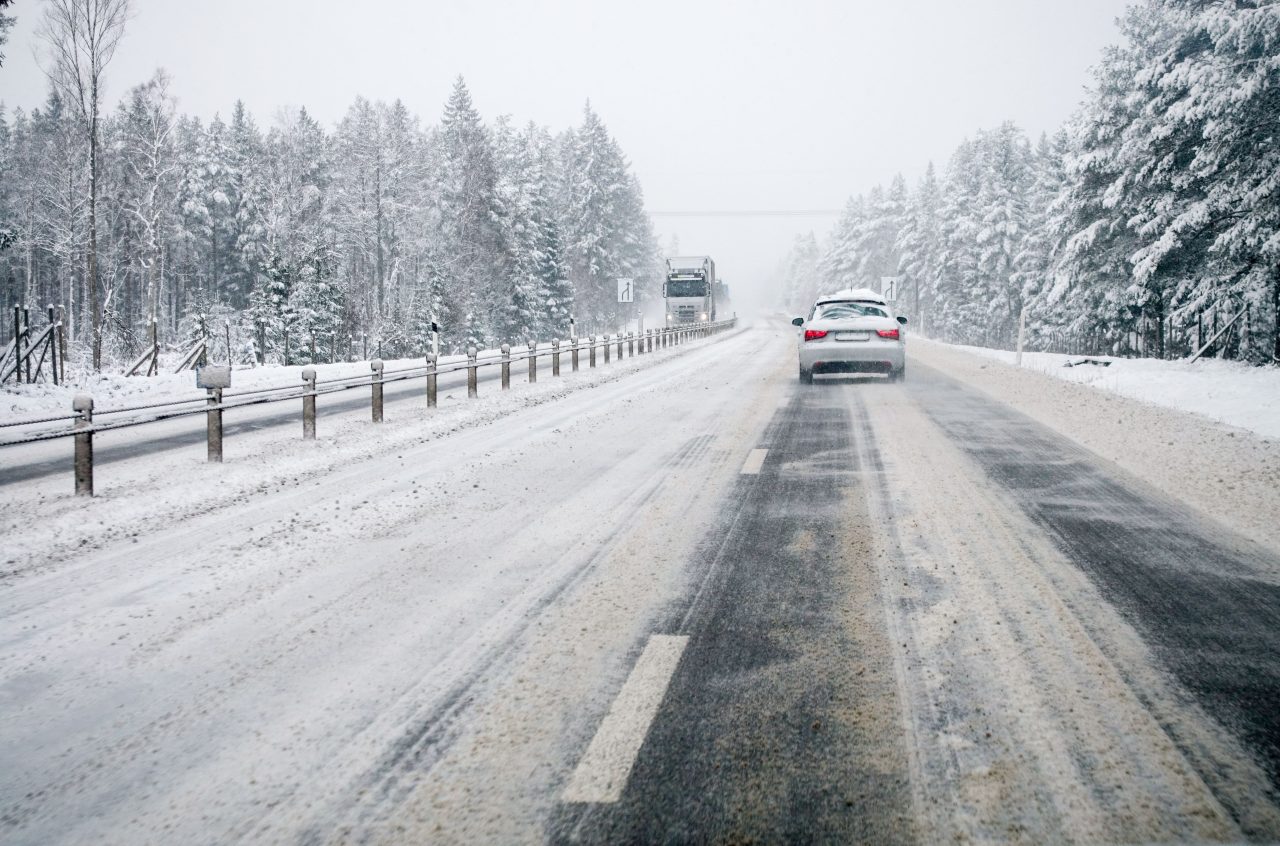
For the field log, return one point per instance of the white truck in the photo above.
(690, 290)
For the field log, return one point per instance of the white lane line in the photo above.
(755, 460)
(604, 768)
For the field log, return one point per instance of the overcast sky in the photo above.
(720, 105)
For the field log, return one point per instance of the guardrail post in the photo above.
(555, 356)
(631, 344)
(83, 406)
(619, 346)
(533, 361)
(431, 380)
(506, 366)
(376, 365)
(573, 353)
(473, 389)
(605, 339)
(591, 351)
(309, 404)
(214, 425)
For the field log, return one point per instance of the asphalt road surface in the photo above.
(697, 603)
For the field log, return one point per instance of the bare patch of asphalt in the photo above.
(782, 722)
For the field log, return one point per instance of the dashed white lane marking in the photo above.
(604, 768)
(754, 461)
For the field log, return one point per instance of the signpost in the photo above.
(626, 291)
(214, 378)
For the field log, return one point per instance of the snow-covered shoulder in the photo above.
(1229, 392)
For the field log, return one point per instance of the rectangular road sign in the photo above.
(626, 291)
(889, 287)
(213, 376)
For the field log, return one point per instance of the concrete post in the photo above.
(214, 425)
(555, 356)
(605, 344)
(473, 389)
(506, 366)
(533, 361)
(591, 351)
(83, 406)
(309, 404)
(431, 380)
(573, 353)
(376, 366)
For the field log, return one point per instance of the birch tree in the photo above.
(81, 37)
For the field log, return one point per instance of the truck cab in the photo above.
(689, 291)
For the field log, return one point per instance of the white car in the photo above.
(852, 332)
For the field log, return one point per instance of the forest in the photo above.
(1143, 226)
(301, 242)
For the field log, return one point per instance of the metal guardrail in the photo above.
(83, 427)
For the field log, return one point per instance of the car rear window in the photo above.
(846, 311)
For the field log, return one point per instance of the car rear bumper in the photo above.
(853, 356)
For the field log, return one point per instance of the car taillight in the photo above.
(815, 334)
(891, 334)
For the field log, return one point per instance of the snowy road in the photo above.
(688, 601)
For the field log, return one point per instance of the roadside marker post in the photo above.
(591, 351)
(533, 362)
(506, 366)
(83, 406)
(606, 346)
(473, 390)
(214, 425)
(376, 365)
(431, 380)
(309, 404)
(573, 352)
(555, 356)
(214, 379)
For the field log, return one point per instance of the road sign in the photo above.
(626, 291)
(213, 376)
(889, 287)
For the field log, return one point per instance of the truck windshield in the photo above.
(693, 288)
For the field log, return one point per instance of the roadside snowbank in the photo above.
(1230, 392)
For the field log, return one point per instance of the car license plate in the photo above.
(852, 336)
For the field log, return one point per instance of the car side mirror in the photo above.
(902, 320)
(797, 321)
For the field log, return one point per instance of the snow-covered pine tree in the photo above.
(840, 261)
(1002, 215)
(919, 246)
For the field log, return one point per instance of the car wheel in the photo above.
(806, 376)
(902, 374)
